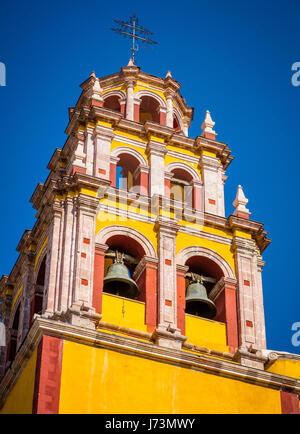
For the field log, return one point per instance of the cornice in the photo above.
(135, 347)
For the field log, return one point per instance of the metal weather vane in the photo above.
(132, 30)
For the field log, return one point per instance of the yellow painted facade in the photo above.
(110, 382)
(20, 399)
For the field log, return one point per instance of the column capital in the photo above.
(100, 248)
(167, 226)
(224, 282)
(156, 148)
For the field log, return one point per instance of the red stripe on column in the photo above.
(48, 376)
(151, 297)
(289, 403)
(181, 302)
(98, 280)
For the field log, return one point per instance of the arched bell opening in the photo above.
(126, 174)
(37, 299)
(121, 260)
(149, 110)
(181, 186)
(201, 277)
(12, 346)
(112, 103)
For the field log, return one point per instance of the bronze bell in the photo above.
(118, 282)
(197, 302)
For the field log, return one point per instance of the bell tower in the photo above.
(133, 280)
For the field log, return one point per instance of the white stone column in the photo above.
(169, 118)
(89, 150)
(130, 99)
(102, 144)
(157, 153)
(167, 334)
(250, 301)
(213, 180)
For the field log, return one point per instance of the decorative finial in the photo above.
(207, 126)
(168, 74)
(135, 32)
(130, 63)
(93, 74)
(239, 203)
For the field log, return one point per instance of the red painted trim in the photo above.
(96, 103)
(181, 302)
(249, 323)
(197, 202)
(98, 279)
(226, 305)
(212, 201)
(167, 187)
(48, 376)
(78, 169)
(168, 302)
(83, 255)
(162, 118)
(144, 181)
(209, 136)
(168, 262)
(151, 318)
(113, 174)
(136, 113)
(246, 283)
(86, 240)
(84, 282)
(244, 216)
(289, 403)
(102, 171)
(122, 108)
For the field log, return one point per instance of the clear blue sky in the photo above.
(231, 57)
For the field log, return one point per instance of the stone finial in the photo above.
(130, 63)
(93, 74)
(207, 126)
(96, 90)
(168, 74)
(239, 203)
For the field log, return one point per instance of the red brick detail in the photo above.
(83, 255)
(249, 323)
(113, 174)
(78, 169)
(147, 283)
(98, 280)
(168, 262)
(181, 302)
(212, 201)
(289, 402)
(162, 118)
(226, 305)
(86, 240)
(102, 171)
(136, 113)
(168, 302)
(48, 376)
(84, 282)
(122, 109)
(246, 283)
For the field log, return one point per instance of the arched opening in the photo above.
(37, 299)
(14, 336)
(181, 188)
(112, 103)
(149, 109)
(125, 172)
(176, 123)
(201, 277)
(121, 260)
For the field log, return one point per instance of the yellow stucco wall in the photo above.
(206, 333)
(111, 382)
(123, 312)
(290, 368)
(20, 398)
